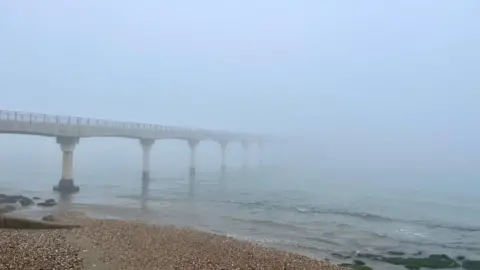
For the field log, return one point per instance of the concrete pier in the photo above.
(260, 153)
(68, 129)
(191, 179)
(193, 146)
(245, 145)
(223, 166)
(146, 147)
(66, 185)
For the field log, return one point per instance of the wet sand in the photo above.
(120, 244)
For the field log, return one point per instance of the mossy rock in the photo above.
(460, 258)
(471, 265)
(370, 256)
(396, 253)
(358, 262)
(434, 261)
(356, 266)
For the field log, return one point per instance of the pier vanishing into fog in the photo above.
(68, 130)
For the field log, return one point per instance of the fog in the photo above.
(351, 84)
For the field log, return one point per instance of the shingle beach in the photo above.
(117, 244)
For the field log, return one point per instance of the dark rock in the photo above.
(24, 201)
(36, 198)
(460, 258)
(49, 200)
(358, 262)
(434, 261)
(338, 255)
(396, 253)
(7, 208)
(370, 256)
(47, 204)
(50, 218)
(471, 265)
(356, 266)
(418, 253)
(8, 200)
(2, 196)
(15, 197)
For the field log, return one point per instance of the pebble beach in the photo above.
(121, 244)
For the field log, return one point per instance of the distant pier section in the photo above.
(68, 130)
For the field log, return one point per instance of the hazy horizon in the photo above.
(361, 84)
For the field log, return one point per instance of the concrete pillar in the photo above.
(260, 153)
(245, 153)
(191, 179)
(223, 145)
(146, 147)
(193, 145)
(65, 185)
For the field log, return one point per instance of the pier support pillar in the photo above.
(146, 147)
(260, 153)
(223, 167)
(193, 145)
(191, 179)
(65, 185)
(245, 154)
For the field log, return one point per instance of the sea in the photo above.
(315, 213)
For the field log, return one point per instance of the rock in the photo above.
(370, 256)
(358, 262)
(8, 200)
(7, 208)
(356, 266)
(50, 218)
(2, 196)
(338, 255)
(434, 261)
(50, 201)
(23, 223)
(36, 198)
(396, 253)
(47, 204)
(24, 201)
(460, 258)
(471, 265)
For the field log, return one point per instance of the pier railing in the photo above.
(73, 120)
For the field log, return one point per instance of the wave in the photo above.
(270, 223)
(360, 215)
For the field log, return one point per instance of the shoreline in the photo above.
(135, 244)
(89, 214)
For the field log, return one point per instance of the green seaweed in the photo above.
(356, 266)
(471, 265)
(434, 261)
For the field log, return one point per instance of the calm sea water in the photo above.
(316, 214)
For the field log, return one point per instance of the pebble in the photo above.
(138, 245)
(40, 249)
(117, 244)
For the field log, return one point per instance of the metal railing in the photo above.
(6, 115)
(77, 121)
